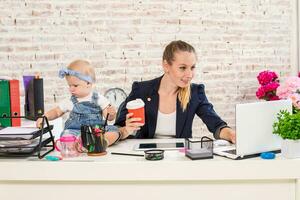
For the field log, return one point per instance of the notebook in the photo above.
(254, 129)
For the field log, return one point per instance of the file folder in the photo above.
(15, 102)
(34, 99)
(4, 103)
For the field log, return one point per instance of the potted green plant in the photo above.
(288, 128)
(288, 125)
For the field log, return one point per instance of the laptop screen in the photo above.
(254, 126)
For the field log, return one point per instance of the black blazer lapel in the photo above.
(180, 119)
(151, 112)
(152, 100)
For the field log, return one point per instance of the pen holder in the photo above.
(196, 149)
(93, 140)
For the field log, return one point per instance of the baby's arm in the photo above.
(112, 112)
(51, 114)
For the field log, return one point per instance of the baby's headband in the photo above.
(65, 71)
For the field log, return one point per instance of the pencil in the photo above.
(105, 122)
(127, 154)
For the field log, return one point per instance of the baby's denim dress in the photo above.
(85, 113)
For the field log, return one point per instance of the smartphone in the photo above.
(165, 146)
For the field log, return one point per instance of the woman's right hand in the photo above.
(131, 125)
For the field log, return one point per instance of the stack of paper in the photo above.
(17, 133)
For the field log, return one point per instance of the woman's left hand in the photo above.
(228, 134)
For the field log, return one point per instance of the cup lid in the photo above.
(134, 104)
(68, 138)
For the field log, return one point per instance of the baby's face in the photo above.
(77, 87)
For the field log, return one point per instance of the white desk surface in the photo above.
(175, 166)
(279, 176)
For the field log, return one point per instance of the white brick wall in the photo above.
(124, 39)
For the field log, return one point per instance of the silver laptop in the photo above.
(254, 129)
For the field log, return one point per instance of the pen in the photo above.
(126, 154)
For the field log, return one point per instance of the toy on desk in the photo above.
(195, 149)
(53, 158)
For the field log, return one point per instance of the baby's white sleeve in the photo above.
(103, 101)
(65, 105)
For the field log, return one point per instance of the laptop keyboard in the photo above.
(232, 151)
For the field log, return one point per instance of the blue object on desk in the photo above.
(267, 155)
(53, 158)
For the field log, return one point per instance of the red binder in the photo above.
(15, 102)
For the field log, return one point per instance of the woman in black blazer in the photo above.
(173, 99)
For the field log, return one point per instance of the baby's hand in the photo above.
(112, 112)
(39, 122)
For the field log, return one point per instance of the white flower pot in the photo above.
(290, 148)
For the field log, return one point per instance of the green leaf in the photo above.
(288, 125)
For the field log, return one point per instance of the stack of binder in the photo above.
(14, 139)
(9, 102)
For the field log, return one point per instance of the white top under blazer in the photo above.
(166, 125)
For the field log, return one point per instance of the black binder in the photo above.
(34, 99)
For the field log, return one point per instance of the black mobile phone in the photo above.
(169, 145)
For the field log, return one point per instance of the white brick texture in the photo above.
(124, 39)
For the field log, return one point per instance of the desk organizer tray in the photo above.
(14, 143)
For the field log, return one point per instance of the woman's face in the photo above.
(182, 69)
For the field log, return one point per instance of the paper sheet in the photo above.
(17, 132)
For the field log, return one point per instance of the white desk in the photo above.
(126, 177)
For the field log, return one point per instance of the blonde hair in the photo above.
(83, 67)
(184, 94)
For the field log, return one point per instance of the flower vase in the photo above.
(290, 148)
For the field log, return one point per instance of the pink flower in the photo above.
(260, 93)
(296, 100)
(269, 84)
(274, 98)
(268, 92)
(291, 86)
(291, 90)
(266, 77)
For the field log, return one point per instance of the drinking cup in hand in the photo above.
(137, 107)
